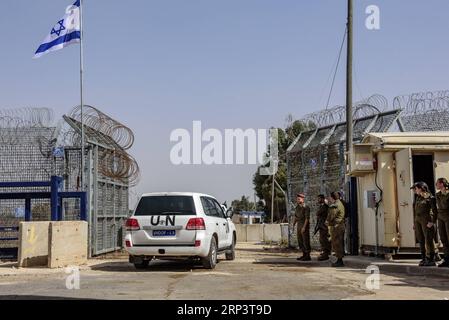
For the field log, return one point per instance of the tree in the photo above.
(262, 184)
(242, 205)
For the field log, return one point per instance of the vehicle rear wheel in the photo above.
(142, 264)
(210, 261)
(230, 254)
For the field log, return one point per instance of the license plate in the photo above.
(164, 233)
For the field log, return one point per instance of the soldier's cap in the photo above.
(419, 184)
(300, 195)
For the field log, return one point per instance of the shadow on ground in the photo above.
(293, 263)
(155, 266)
(268, 250)
(402, 280)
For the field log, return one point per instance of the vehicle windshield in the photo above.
(165, 205)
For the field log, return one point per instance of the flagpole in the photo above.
(81, 94)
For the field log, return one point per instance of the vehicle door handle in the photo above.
(224, 224)
(217, 223)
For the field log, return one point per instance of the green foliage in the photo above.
(242, 205)
(262, 184)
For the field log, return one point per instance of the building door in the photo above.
(404, 178)
(423, 170)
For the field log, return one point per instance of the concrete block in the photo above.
(33, 244)
(284, 232)
(254, 232)
(240, 229)
(67, 243)
(272, 233)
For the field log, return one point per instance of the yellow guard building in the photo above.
(386, 165)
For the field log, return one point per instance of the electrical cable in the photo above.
(377, 208)
(336, 67)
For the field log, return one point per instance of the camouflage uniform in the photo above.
(302, 213)
(336, 223)
(425, 211)
(321, 216)
(442, 200)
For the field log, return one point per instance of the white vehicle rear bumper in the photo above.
(169, 251)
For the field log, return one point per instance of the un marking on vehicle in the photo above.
(156, 221)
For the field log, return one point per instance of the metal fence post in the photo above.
(28, 216)
(54, 198)
(83, 207)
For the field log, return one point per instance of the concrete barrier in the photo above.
(272, 233)
(258, 232)
(284, 232)
(240, 229)
(33, 244)
(52, 244)
(67, 243)
(254, 232)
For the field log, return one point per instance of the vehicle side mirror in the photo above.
(229, 213)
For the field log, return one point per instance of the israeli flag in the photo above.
(65, 32)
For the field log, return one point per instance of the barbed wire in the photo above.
(28, 137)
(365, 108)
(40, 117)
(116, 162)
(27, 126)
(99, 121)
(423, 102)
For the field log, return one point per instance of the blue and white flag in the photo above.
(66, 32)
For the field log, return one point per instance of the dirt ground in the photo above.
(256, 273)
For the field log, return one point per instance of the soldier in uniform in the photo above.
(302, 220)
(336, 224)
(442, 199)
(425, 215)
(321, 227)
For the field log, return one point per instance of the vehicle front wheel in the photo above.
(230, 254)
(210, 261)
(142, 264)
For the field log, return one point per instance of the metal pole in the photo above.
(272, 200)
(349, 120)
(349, 130)
(255, 203)
(286, 208)
(81, 94)
(285, 196)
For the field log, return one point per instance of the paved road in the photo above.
(255, 274)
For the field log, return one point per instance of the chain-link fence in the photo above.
(28, 146)
(316, 162)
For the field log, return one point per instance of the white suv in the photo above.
(179, 224)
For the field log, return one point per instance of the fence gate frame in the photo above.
(55, 195)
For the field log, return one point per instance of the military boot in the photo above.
(430, 262)
(338, 264)
(301, 258)
(445, 263)
(306, 257)
(423, 260)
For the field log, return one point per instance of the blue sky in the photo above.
(157, 65)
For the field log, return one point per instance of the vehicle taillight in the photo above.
(128, 244)
(132, 224)
(196, 224)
